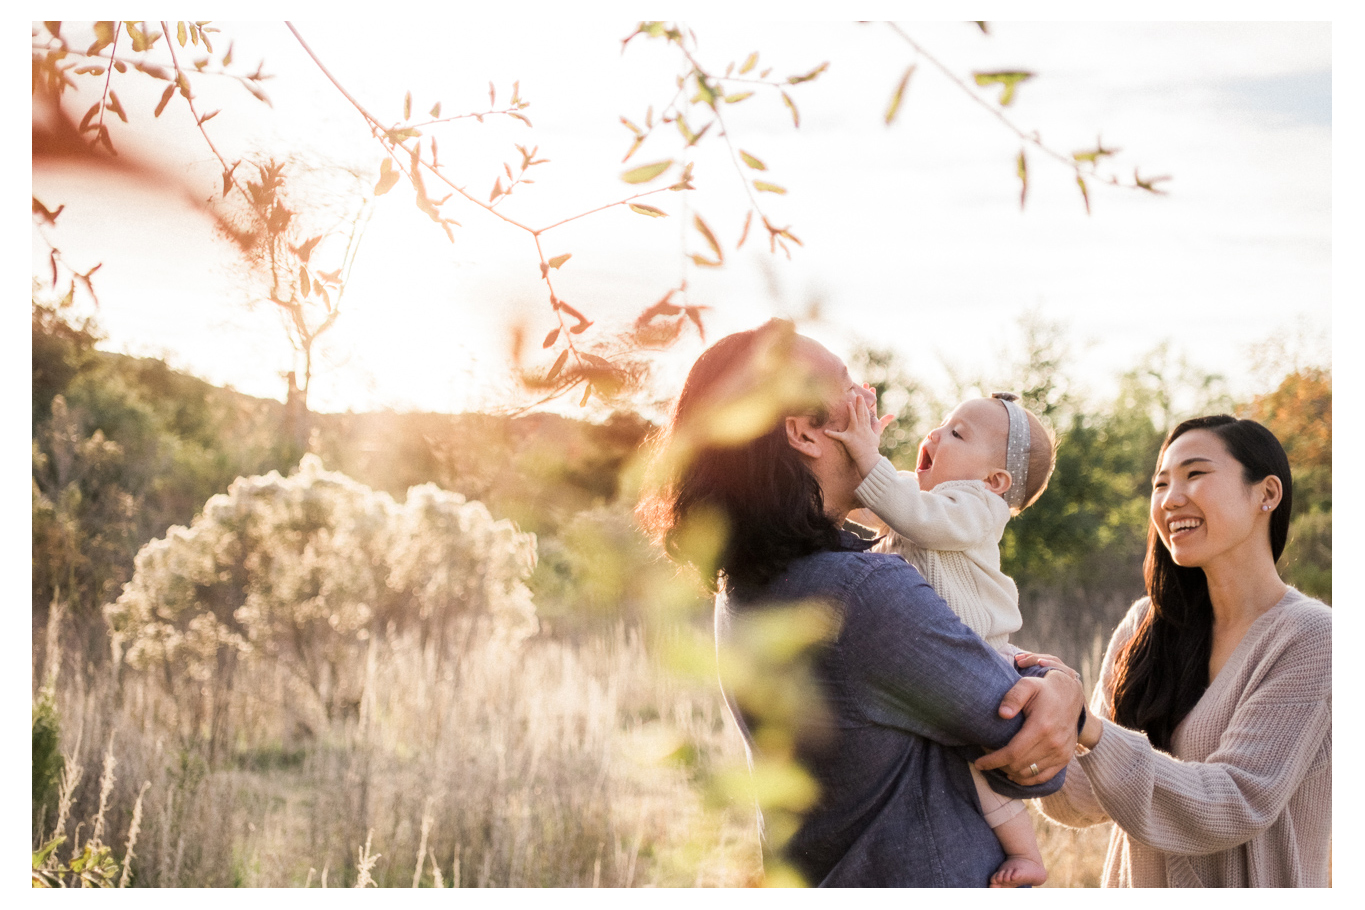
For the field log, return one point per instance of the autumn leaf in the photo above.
(388, 177)
(710, 237)
(551, 338)
(763, 187)
(558, 261)
(648, 210)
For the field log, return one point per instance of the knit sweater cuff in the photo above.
(878, 482)
(1118, 757)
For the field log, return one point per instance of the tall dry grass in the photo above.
(552, 764)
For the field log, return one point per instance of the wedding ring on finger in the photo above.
(1033, 770)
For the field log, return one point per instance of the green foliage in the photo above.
(93, 867)
(122, 449)
(47, 760)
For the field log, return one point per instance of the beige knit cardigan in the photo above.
(1245, 798)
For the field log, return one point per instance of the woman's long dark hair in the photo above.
(764, 494)
(1163, 670)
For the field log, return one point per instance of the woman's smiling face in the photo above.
(1202, 507)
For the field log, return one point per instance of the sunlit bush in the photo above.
(302, 572)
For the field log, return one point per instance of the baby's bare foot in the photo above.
(1017, 871)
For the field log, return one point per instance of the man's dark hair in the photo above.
(765, 497)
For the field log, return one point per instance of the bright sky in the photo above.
(913, 235)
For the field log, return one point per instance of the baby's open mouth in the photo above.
(926, 460)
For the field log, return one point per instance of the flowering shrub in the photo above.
(306, 573)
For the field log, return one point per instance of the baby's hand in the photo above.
(862, 436)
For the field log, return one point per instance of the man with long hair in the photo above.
(895, 691)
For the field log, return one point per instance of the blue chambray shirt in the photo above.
(912, 695)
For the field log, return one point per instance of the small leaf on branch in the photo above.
(737, 97)
(436, 109)
(492, 95)
(579, 328)
(646, 172)
(388, 177)
(749, 64)
(558, 261)
(1085, 194)
(710, 237)
(796, 116)
(795, 80)
(104, 36)
(165, 99)
(587, 391)
(559, 364)
(1021, 168)
(180, 33)
(305, 280)
(561, 305)
(630, 126)
(694, 314)
(648, 210)
(752, 161)
(763, 187)
(639, 140)
(1007, 79)
(1093, 156)
(520, 117)
(894, 107)
(703, 261)
(95, 109)
(407, 105)
(116, 107)
(207, 117)
(497, 190)
(551, 338)
(744, 234)
(1149, 184)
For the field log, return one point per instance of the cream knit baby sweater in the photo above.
(952, 535)
(1245, 798)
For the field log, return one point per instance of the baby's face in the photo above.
(968, 446)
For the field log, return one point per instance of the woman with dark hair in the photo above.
(898, 692)
(1209, 741)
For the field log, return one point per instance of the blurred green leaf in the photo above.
(648, 210)
(749, 64)
(763, 187)
(752, 161)
(1021, 169)
(1007, 79)
(894, 107)
(796, 116)
(646, 172)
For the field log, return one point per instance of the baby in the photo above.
(988, 461)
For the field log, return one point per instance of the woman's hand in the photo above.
(863, 434)
(1029, 659)
(1052, 707)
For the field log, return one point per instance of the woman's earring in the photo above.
(1265, 508)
